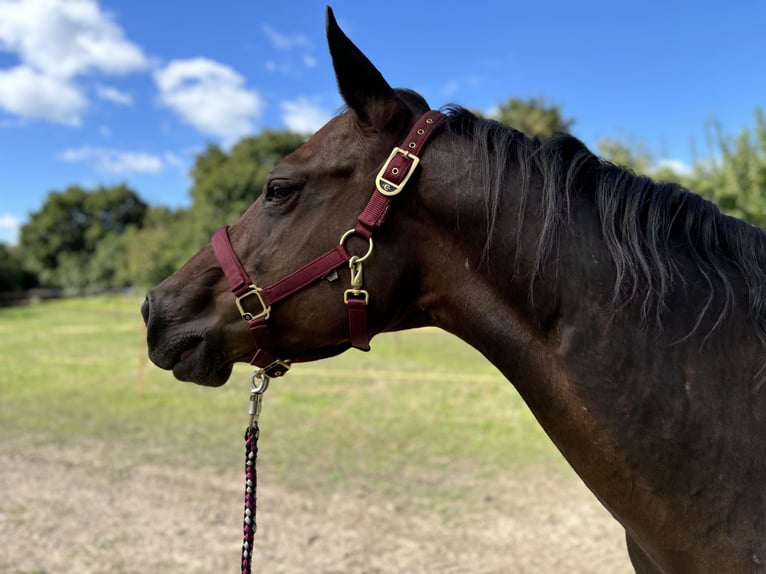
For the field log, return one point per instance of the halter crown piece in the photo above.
(390, 181)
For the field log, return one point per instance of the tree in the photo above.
(734, 176)
(633, 155)
(160, 247)
(13, 276)
(60, 239)
(533, 116)
(224, 184)
(105, 268)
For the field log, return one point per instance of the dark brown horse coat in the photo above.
(628, 314)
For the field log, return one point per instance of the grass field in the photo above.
(416, 405)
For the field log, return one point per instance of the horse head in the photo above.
(310, 199)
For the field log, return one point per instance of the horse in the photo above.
(630, 315)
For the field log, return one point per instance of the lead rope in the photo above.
(259, 382)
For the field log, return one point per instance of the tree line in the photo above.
(109, 237)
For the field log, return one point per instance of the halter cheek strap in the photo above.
(259, 301)
(389, 182)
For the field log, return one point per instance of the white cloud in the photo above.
(303, 115)
(289, 45)
(284, 42)
(30, 94)
(175, 161)
(67, 37)
(56, 41)
(459, 85)
(115, 162)
(114, 95)
(452, 87)
(9, 228)
(676, 165)
(277, 68)
(210, 96)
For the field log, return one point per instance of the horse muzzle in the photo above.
(188, 350)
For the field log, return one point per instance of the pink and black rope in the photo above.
(251, 481)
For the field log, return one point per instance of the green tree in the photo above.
(61, 238)
(633, 155)
(106, 266)
(13, 276)
(224, 184)
(533, 116)
(160, 247)
(734, 176)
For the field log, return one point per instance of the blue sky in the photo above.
(107, 91)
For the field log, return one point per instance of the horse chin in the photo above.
(202, 373)
(203, 367)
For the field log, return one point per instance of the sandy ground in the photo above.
(91, 509)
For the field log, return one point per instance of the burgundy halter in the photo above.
(391, 179)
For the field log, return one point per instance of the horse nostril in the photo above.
(145, 308)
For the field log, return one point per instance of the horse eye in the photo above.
(279, 190)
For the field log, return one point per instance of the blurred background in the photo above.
(130, 131)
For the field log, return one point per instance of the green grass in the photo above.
(416, 408)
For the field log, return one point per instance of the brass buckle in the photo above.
(247, 316)
(356, 292)
(390, 188)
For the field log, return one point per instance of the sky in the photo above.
(100, 92)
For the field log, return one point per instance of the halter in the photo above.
(390, 181)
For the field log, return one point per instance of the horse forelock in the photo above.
(644, 224)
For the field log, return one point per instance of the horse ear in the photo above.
(362, 86)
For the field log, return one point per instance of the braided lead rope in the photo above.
(259, 382)
(251, 481)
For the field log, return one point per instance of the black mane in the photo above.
(643, 222)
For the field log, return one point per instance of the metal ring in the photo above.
(348, 234)
(262, 385)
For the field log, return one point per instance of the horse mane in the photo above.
(644, 224)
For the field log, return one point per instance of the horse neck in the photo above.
(596, 380)
(483, 277)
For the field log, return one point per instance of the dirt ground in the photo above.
(90, 509)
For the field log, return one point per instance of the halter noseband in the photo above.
(390, 181)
